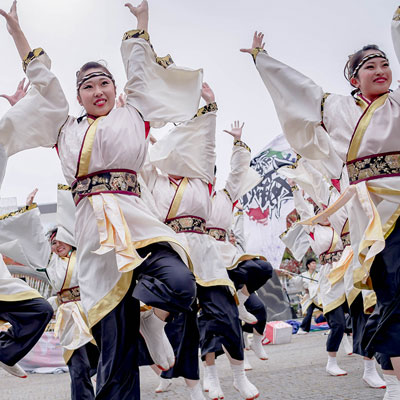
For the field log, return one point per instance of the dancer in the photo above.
(118, 239)
(23, 239)
(348, 125)
(248, 272)
(186, 159)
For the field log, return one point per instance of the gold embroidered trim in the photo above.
(217, 233)
(137, 34)
(362, 127)
(187, 224)
(229, 196)
(68, 295)
(294, 165)
(176, 201)
(373, 167)
(18, 212)
(60, 186)
(396, 16)
(165, 62)
(324, 97)
(294, 188)
(212, 107)
(241, 144)
(256, 51)
(330, 258)
(31, 56)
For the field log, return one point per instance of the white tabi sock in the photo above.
(160, 349)
(257, 346)
(371, 376)
(333, 369)
(214, 390)
(244, 315)
(240, 382)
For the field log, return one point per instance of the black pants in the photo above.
(252, 273)
(165, 282)
(82, 366)
(29, 319)
(358, 322)
(337, 322)
(184, 336)
(255, 306)
(219, 322)
(382, 330)
(306, 323)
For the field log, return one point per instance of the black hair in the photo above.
(92, 65)
(355, 59)
(51, 233)
(309, 261)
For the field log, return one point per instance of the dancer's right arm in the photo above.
(297, 101)
(37, 118)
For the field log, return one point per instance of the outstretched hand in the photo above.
(207, 94)
(19, 93)
(236, 130)
(257, 42)
(141, 12)
(12, 18)
(31, 197)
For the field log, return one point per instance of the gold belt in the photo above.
(187, 224)
(68, 295)
(217, 233)
(111, 181)
(330, 258)
(373, 167)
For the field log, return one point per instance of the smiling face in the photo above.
(97, 94)
(60, 248)
(374, 77)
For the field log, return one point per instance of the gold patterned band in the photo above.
(31, 56)
(330, 258)
(211, 107)
(68, 295)
(187, 224)
(374, 167)
(113, 181)
(239, 143)
(217, 233)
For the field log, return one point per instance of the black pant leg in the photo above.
(306, 323)
(29, 319)
(80, 370)
(219, 322)
(337, 322)
(116, 336)
(255, 306)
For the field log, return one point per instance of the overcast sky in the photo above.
(314, 36)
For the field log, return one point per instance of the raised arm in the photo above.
(35, 120)
(395, 28)
(297, 101)
(156, 87)
(14, 29)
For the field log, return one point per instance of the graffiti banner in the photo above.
(267, 205)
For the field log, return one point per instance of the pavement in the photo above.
(294, 371)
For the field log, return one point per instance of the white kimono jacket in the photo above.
(109, 226)
(189, 151)
(241, 179)
(362, 134)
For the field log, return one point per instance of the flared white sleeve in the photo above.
(297, 101)
(22, 237)
(36, 119)
(65, 215)
(189, 149)
(395, 28)
(241, 178)
(156, 87)
(238, 230)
